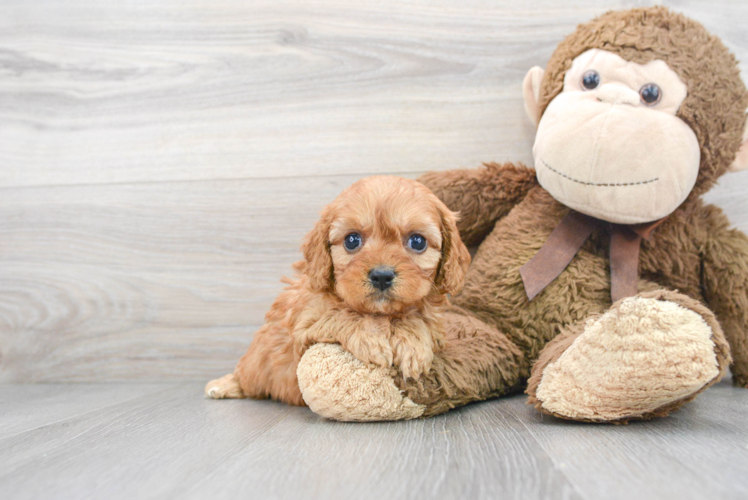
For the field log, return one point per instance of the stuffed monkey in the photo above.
(602, 284)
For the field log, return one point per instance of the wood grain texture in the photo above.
(146, 281)
(26, 407)
(161, 161)
(169, 443)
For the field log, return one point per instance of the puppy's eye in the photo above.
(352, 241)
(590, 80)
(417, 243)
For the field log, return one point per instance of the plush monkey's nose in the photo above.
(614, 93)
(381, 277)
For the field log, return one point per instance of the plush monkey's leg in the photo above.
(646, 357)
(478, 363)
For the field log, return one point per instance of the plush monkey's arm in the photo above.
(725, 277)
(481, 195)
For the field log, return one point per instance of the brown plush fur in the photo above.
(494, 334)
(333, 300)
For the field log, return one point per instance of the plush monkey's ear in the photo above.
(455, 256)
(316, 250)
(741, 159)
(531, 92)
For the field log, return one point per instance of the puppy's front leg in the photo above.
(366, 337)
(369, 340)
(414, 342)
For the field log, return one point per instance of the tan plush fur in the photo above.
(334, 301)
(367, 395)
(664, 367)
(667, 351)
(589, 156)
(694, 261)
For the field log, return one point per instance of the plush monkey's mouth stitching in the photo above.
(612, 184)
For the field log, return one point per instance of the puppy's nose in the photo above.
(381, 277)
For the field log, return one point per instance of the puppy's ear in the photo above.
(455, 256)
(316, 250)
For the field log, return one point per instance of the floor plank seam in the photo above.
(556, 465)
(353, 175)
(78, 415)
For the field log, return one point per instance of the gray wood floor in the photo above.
(160, 163)
(113, 441)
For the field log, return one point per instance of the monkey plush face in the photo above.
(610, 144)
(638, 112)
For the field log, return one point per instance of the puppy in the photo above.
(375, 273)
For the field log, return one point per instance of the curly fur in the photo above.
(333, 301)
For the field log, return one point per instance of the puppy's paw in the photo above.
(413, 359)
(414, 342)
(226, 387)
(370, 348)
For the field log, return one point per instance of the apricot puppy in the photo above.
(376, 271)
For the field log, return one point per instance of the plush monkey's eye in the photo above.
(650, 94)
(590, 80)
(352, 241)
(417, 243)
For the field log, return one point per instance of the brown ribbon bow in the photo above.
(566, 240)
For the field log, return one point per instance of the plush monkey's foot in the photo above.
(226, 387)
(338, 386)
(645, 357)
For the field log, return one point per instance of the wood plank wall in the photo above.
(160, 161)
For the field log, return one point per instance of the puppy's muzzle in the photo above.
(381, 277)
